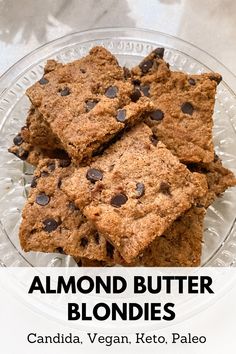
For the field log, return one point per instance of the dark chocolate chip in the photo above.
(135, 95)
(136, 82)
(192, 81)
(96, 238)
(145, 90)
(43, 81)
(165, 188)
(127, 73)
(140, 189)
(157, 115)
(187, 108)
(111, 92)
(110, 250)
(18, 140)
(51, 166)
(94, 175)
(83, 71)
(146, 65)
(34, 182)
(118, 200)
(121, 115)
(50, 225)
(65, 92)
(90, 104)
(44, 174)
(42, 199)
(83, 242)
(64, 163)
(154, 140)
(159, 52)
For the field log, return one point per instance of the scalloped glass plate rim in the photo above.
(146, 36)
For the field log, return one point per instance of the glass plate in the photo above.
(129, 46)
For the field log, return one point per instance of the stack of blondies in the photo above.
(125, 162)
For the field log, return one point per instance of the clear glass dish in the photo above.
(130, 46)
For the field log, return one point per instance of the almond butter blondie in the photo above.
(87, 102)
(184, 105)
(52, 223)
(134, 191)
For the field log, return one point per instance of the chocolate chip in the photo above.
(44, 174)
(118, 200)
(90, 104)
(157, 115)
(192, 81)
(65, 92)
(159, 52)
(50, 225)
(83, 242)
(94, 175)
(42, 199)
(135, 95)
(110, 250)
(121, 115)
(96, 238)
(127, 73)
(187, 108)
(64, 163)
(43, 81)
(111, 92)
(51, 167)
(83, 71)
(154, 140)
(145, 90)
(140, 189)
(34, 182)
(136, 82)
(18, 140)
(165, 188)
(145, 66)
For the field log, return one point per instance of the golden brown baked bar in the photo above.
(184, 106)
(52, 223)
(87, 102)
(134, 191)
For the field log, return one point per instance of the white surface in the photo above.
(26, 24)
(216, 321)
